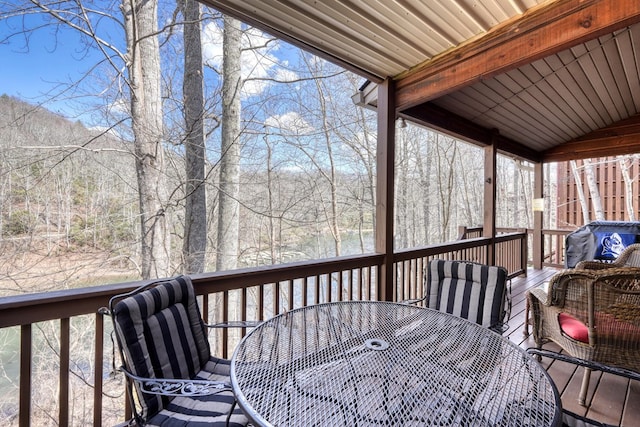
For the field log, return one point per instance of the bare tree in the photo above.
(143, 65)
(142, 88)
(194, 243)
(357, 135)
(625, 165)
(228, 206)
(579, 188)
(446, 152)
(423, 167)
(331, 176)
(596, 201)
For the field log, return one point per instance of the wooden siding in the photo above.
(560, 97)
(610, 184)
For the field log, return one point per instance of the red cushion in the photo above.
(573, 327)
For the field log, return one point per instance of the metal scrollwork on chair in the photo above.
(177, 387)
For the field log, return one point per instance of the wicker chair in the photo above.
(591, 314)
(630, 257)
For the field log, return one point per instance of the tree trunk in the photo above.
(332, 219)
(625, 165)
(228, 208)
(596, 201)
(143, 55)
(423, 165)
(195, 227)
(445, 174)
(579, 188)
(402, 195)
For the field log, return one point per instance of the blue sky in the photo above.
(41, 63)
(30, 71)
(55, 57)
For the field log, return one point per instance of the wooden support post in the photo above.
(537, 245)
(489, 227)
(385, 186)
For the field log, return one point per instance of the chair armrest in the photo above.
(542, 295)
(412, 301)
(235, 324)
(177, 387)
(626, 373)
(594, 265)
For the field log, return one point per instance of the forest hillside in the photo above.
(68, 201)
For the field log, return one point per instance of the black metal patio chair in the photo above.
(172, 377)
(473, 291)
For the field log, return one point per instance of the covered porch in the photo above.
(543, 81)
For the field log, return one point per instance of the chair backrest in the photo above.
(630, 257)
(475, 292)
(161, 335)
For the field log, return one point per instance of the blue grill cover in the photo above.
(600, 240)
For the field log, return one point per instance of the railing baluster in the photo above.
(225, 318)
(305, 290)
(98, 373)
(261, 302)
(25, 375)
(291, 295)
(205, 308)
(244, 304)
(276, 298)
(63, 394)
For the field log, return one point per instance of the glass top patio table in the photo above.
(385, 364)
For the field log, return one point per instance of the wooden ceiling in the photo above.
(544, 80)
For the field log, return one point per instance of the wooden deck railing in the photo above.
(50, 325)
(553, 246)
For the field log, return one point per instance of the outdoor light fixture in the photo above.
(538, 205)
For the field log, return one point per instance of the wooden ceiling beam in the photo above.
(538, 33)
(620, 138)
(442, 120)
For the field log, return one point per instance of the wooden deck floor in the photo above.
(611, 399)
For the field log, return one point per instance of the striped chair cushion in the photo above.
(475, 292)
(162, 335)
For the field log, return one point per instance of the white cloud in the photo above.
(212, 45)
(290, 123)
(120, 106)
(257, 62)
(284, 75)
(104, 130)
